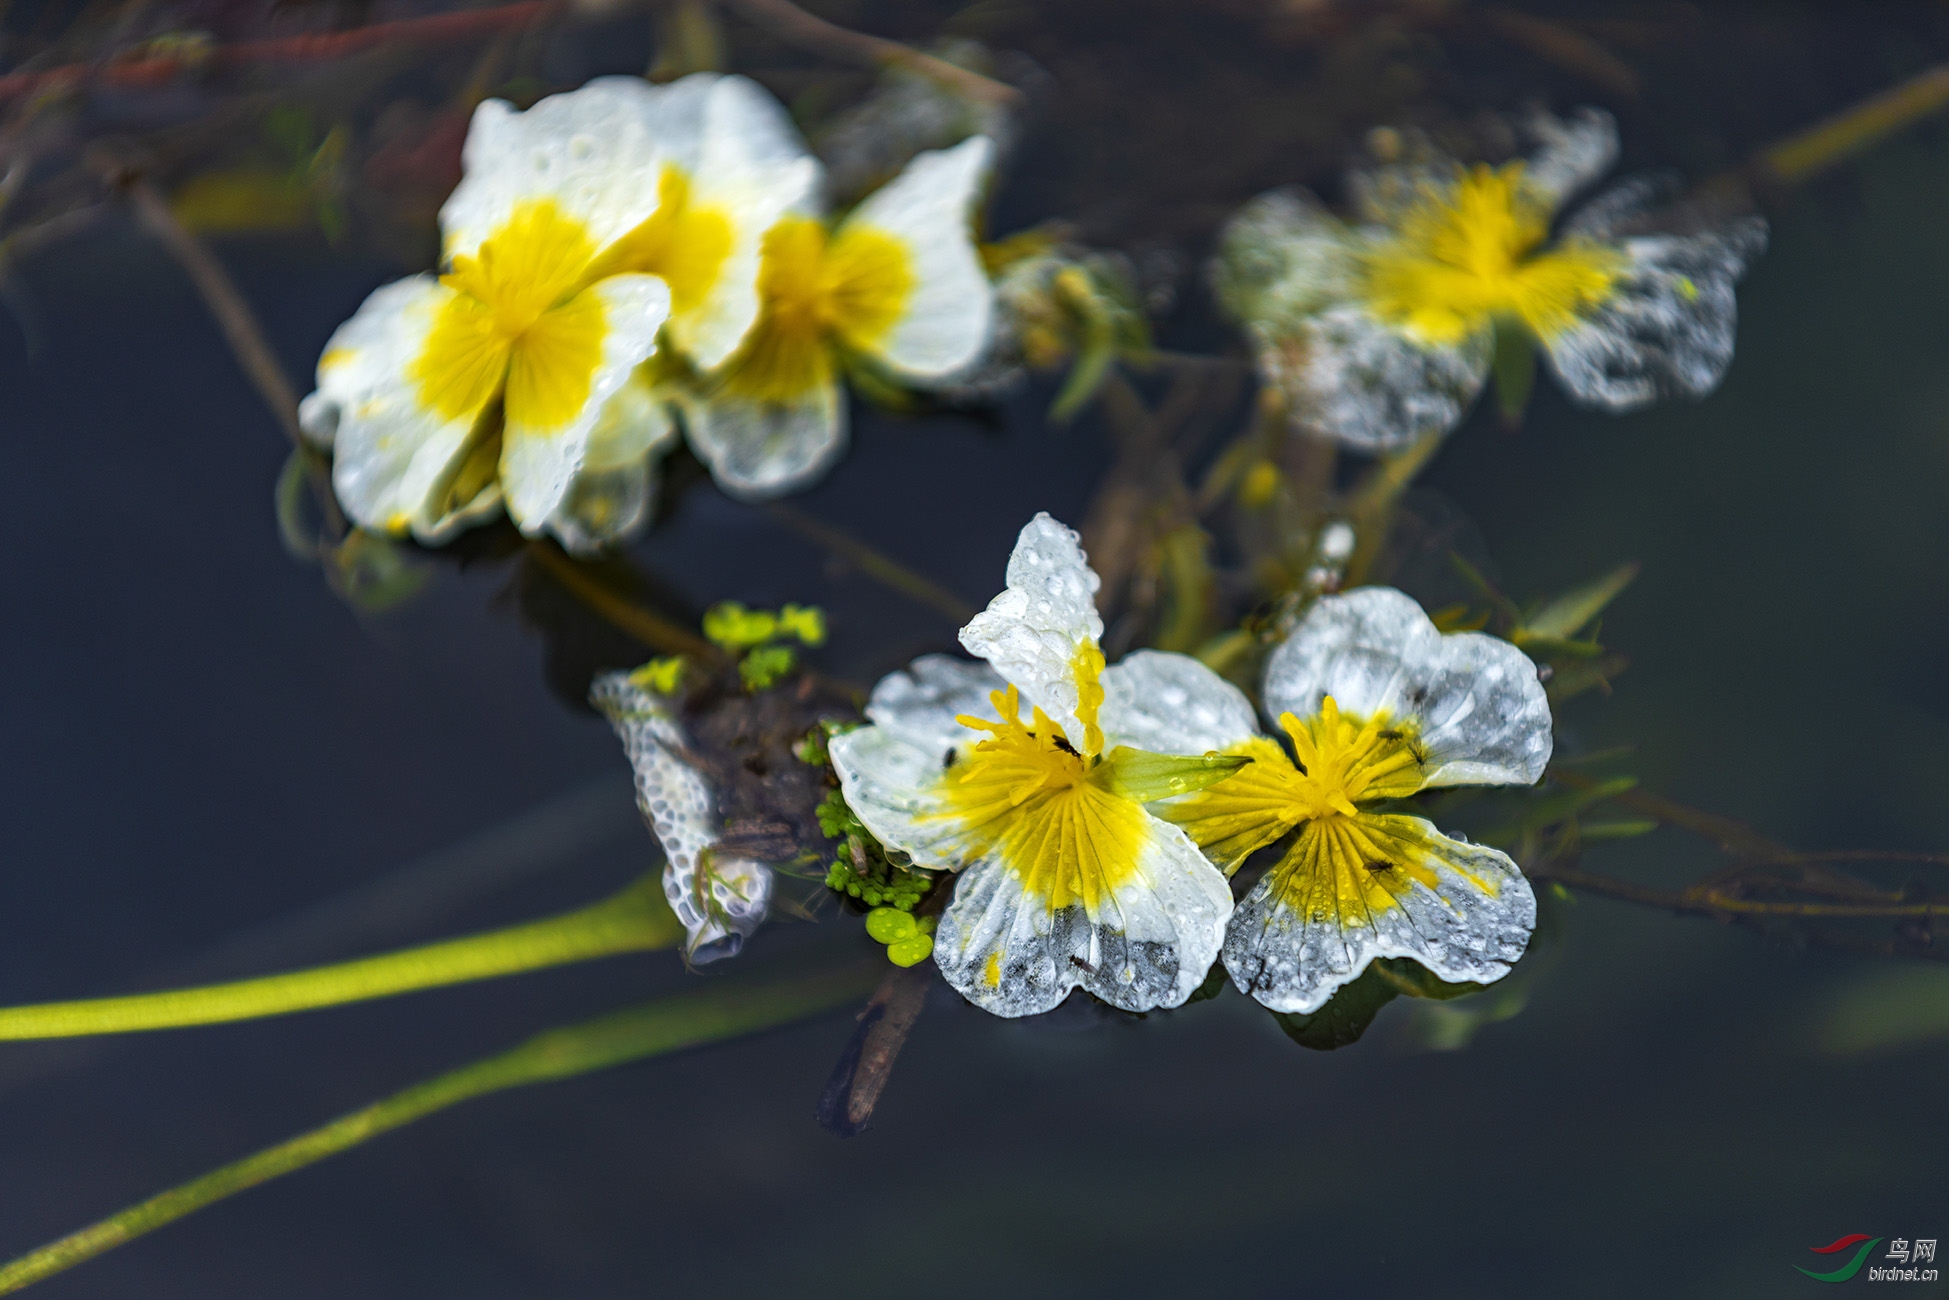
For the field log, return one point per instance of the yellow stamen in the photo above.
(1468, 256)
(518, 318)
(1045, 810)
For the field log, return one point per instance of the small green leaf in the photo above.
(1574, 610)
(659, 675)
(761, 669)
(1141, 775)
(888, 925)
(731, 625)
(911, 951)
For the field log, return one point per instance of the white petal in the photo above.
(538, 466)
(1172, 704)
(1482, 715)
(1667, 329)
(750, 165)
(1282, 259)
(605, 506)
(1033, 632)
(757, 450)
(590, 151)
(1460, 930)
(894, 788)
(1349, 377)
(918, 705)
(946, 322)
(1568, 153)
(720, 900)
(1152, 947)
(394, 456)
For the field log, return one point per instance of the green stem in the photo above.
(1371, 510)
(652, 1029)
(635, 920)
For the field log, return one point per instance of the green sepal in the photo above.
(1141, 775)
(1515, 369)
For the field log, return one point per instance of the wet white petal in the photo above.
(1349, 377)
(1034, 631)
(918, 705)
(1152, 945)
(946, 320)
(1667, 329)
(589, 151)
(1172, 704)
(1568, 154)
(894, 788)
(745, 160)
(1458, 929)
(1282, 259)
(394, 456)
(1482, 715)
(720, 900)
(758, 449)
(539, 465)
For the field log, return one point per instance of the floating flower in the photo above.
(1377, 705)
(1384, 332)
(895, 287)
(720, 898)
(1067, 880)
(578, 229)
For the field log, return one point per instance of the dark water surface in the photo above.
(202, 742)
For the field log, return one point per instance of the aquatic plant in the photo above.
(1384, 332)
(1065, 880)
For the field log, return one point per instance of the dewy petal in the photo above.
(539, 462)
(395, 457)
(1667, 327)
(1042, 629)
(1150, 946)
(1568, 154)
(720, 900)
(919, 704)
(589, 151)
(1172, 704)
(920, 305)
(894, 788)
(1282, 259)
(1353, 378)
(757, 449)
(1480, 714)
(1316, 920)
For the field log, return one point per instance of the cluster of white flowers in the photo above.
(622, 260)
(1092, 839)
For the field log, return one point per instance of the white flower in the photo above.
(1384, 332)
(720, 899)
(578, 229)
(896, 286)
(1067, 880)
(1377, 704)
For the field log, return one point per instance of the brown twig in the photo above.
(872, 563)
(815, 35)
(136, 73)
(653, 630)
(851, 1094)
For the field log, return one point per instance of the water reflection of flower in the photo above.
(580, 227)
(1066, 879)
(720, 898)
(1378, 705)
(1382, 332)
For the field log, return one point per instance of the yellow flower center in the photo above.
(1048, 812)
(1467, 257)
(816, 291)
(518, 325)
